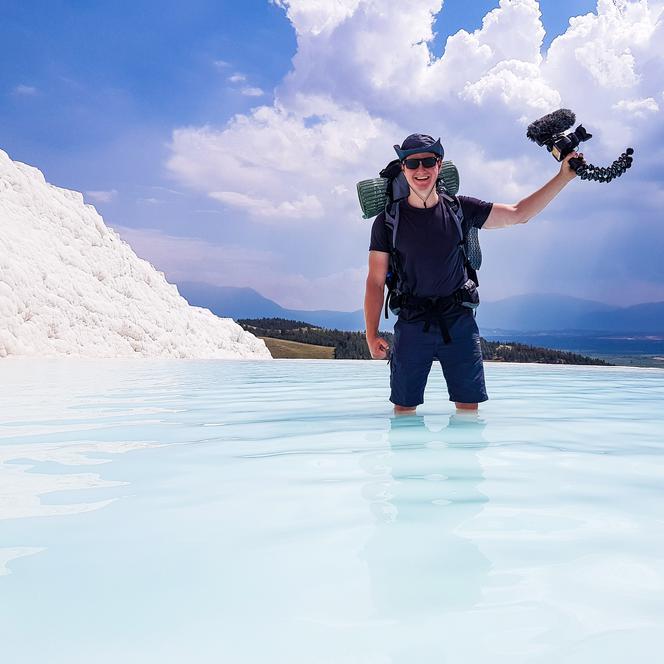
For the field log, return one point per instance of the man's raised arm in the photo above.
(502, 215)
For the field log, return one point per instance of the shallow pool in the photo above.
(276, 512)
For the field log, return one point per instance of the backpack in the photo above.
(383, 194)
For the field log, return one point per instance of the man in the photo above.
(432, 324)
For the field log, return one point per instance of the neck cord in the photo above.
(426, 198)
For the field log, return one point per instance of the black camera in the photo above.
(552, 131)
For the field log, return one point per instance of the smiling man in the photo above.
(428, 255)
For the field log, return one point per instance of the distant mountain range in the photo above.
(548, 312)
(522, 313)
(235, 303)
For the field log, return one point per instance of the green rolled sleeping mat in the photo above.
(373, 193)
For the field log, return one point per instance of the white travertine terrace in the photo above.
(70, 286)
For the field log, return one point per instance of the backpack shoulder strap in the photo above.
(397, 190)
(394, 277)
(454, 206)
(470, 244)
(392, 224)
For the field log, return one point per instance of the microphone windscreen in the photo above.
(545, 128)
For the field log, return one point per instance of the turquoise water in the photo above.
(276, 512)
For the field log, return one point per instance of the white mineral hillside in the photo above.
(70, 286)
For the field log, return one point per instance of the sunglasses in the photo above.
(427, 162)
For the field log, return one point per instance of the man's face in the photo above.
(421, 179)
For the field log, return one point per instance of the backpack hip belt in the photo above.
(435, 309)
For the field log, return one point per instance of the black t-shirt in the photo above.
(428, 244)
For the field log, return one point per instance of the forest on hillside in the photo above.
(353, 346)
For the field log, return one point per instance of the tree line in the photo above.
(516, 352)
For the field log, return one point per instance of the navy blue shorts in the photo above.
(414, 351)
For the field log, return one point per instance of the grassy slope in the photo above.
(282, 349)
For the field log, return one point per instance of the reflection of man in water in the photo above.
(426, 489)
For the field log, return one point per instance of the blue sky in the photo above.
(83, 81)
(182, 125)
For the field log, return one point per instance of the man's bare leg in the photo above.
(466, 414)
(404, 410)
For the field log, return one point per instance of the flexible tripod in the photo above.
(600, 173)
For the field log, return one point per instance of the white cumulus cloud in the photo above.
(102, 196)
(316, 16)
(638, 107)
(304, 207)
(252, 92)
(282, 164)
(25, 90)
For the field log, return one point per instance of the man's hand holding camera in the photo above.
(566, 170)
